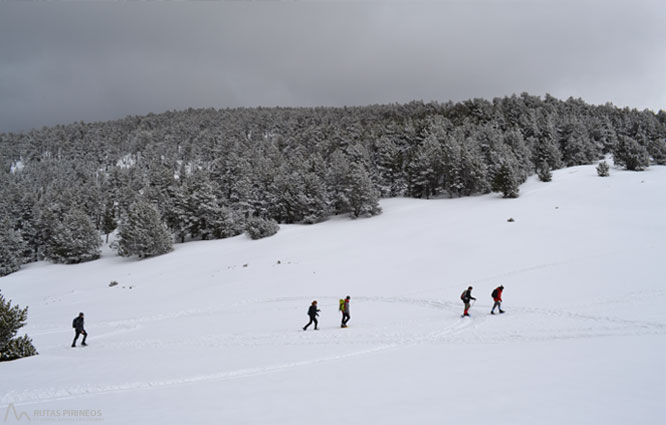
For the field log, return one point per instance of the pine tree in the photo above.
(465, 172)
(337, 182)
(12, 248)
(11, 320)
(657, 149)
(202, 205)
(178, 217)
(258, 228)
(74, 240)
(425, 168)
(505, 181)
(228, 223)
(315, 197)
(630, 154)
(389, 168)
(291, 200)
(143, 233)
(545, 175)
(544, 144)
(109, 223)
(363, 197)
(575, 144)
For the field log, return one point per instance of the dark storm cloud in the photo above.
(67, 62)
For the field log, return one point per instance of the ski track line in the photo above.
(563, 313)
(527, 269)
(131, 323)
(49, 395)
(493, 277)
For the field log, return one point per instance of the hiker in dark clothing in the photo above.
(497, 297)
(77, 324)
(345, 313)
(313, 312)
(466, 297)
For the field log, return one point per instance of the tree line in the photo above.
(216, 173)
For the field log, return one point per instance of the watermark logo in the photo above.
(17, 415)
(13, 415)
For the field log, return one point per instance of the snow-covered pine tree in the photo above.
(515, 147)
(316, 203)
(12, 318)
(74, 240)
(544, 173)
(544, 144)
(630, 154)
(575, 144)
(505, 181)
(202, 205)
(257, 228)
(603, 170)
(178, 217)
(337, 182)
(389, 167)
(465, 172)
(109, 223)
(657, 149)
(473, 172)
(12, 248)
(228, 223)
(143, 233)
(425, 168)
(291, 198)
(363, 196)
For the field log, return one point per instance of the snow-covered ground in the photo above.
(211, 333)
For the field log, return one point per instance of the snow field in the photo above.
(211, 333)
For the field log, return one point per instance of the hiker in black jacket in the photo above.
(77, 324)
(313, 312)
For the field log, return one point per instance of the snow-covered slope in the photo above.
(211, 333)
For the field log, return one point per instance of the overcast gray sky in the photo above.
(66, 62)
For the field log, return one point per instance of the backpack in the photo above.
(74, 323)
(494, 294)
(462, 296)
(342, 304)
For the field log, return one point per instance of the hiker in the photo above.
(466, 297)
(497, 297)
(313, 312)
(77, 324)
(345, 312)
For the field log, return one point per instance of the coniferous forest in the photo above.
(209, 173)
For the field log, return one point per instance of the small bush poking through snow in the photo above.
(257, 228)
(511, 220)
(603, 170)
(113, 283)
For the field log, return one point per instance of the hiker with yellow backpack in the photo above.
(344, 308)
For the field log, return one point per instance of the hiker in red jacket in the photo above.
(497, 297)
(466, 298)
